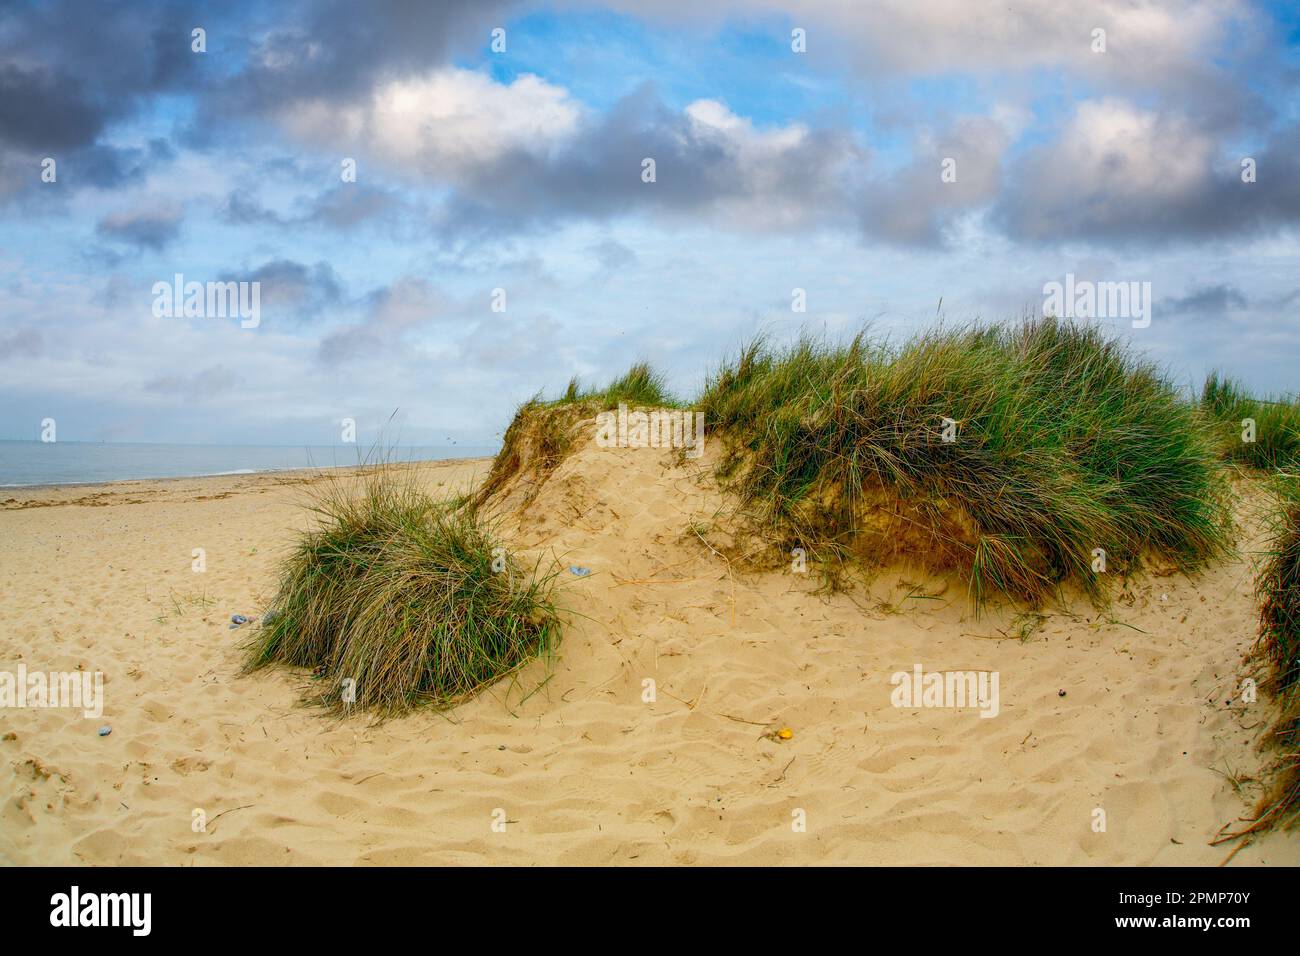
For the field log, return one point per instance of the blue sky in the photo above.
(521, 170)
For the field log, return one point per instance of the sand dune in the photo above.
(1135, 710)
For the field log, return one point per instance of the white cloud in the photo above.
(1114, 147)
(1113, 164)
(785, 177)
(445, 123)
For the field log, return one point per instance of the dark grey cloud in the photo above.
(294, 290)
(289, 278)
(112, 49)
(47, 112)
(153, 228)
(243, 209)
(699, 170)
(345, 206)
(743, 179)
(70, 70)
(105, 167)
(98, 166)
(334, 50)
(1211, 301)
(1117, 173)
(350, 204)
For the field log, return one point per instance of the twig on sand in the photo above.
(742, 720)
(690, 704)
(224, 812)
(783, 770)
(1235, 850)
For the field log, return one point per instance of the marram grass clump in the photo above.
(396, 599)
(1278, 588)
(1023, 456)
(1264, 434)
(543, 431)
(641, 386)
(539, 437)
(1259, 432)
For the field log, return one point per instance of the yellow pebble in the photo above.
(785, 733)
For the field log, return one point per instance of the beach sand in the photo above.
(1150, 727)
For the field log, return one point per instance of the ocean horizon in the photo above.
(25, 463)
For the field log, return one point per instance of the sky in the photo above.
(446, 207)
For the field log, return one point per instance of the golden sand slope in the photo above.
(583, 770)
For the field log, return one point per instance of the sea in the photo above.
(24, 463)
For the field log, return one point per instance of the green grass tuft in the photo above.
(541, 433)
(640, 385)
(1277, 424)
(1278, 588)
(1065, 443)
(397, 591)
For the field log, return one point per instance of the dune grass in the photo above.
(1275, 451)
(539, 437)
(1276, 420)
(541, 433)
(1068, 452)
(1278, 588)
(398, 593)
(1063, 443)
(641, 386)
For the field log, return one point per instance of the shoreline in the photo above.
(317, 470)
